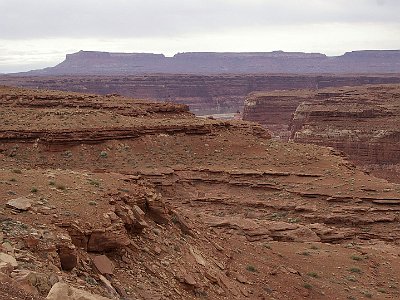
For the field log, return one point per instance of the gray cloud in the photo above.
(39, 33)
(27, 19)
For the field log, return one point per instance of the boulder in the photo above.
(108, 239)
(35, 282)
(132, 218)
(99, 239)
(62, 291)
(303, 234)
(21, 203)
(189, 279)
(110, 288)
(26, 289)
(157, 210)
(6, 268)
(5, 258)
(182, 224)
(103, 264)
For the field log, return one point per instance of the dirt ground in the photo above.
(183, 207)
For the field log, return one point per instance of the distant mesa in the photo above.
(276, 62)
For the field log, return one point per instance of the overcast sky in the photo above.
(36, 34)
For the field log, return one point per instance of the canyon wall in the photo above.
(204, 94)
(363, 122)
(209, 82)
(105, 63)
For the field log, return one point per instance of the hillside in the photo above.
(135, 200)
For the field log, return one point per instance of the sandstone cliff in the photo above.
(363, 122)
(104, 63)
(213, 94)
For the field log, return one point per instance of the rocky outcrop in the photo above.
(125, 119)
(61, 291)
(217, 214)
(360, 121)
(274, 109)
(211, 94)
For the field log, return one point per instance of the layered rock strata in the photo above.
(211, 94)
(184, 214)
(105, 63)
(363, 122)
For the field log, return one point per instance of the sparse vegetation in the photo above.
(366, 294)
(355, 270)
(34, 190)
(266, 245)
(90, 280)
(307, 286)
(182, 203)
(351, 278)
(67, 154)
(94, 182)
(313, 274)
(357, 258)
(251, 268)
(278, 215)
(293, 220)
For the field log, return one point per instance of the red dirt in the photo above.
(228, 212)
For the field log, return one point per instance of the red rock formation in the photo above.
(214, 214)
(213, 94)
(274, 110)
(363, 122)
(104, 63)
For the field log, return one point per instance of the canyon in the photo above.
(204, 94)
(363, 122)
(210, 83)
(107, 197)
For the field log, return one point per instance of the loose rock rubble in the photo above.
(224, 212)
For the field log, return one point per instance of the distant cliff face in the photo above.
(104, 63)
(204, 94)
(274, 109)
(361, 121)
(364, 122)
